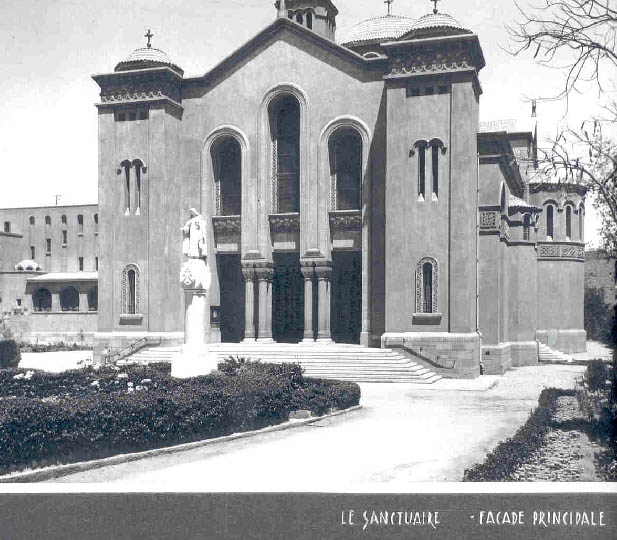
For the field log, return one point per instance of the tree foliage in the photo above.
(578, 37)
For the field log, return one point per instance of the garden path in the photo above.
(403, 433)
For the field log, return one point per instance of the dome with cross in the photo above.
(147, 57)
(378, 29)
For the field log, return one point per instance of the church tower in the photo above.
(139, 197)
(431, 191)
(316, 15)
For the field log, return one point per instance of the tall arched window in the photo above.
(568, 222)
(345, 150)
(426, 286)
(80, 224)
(69, 299)
(549, 222)
(32, 221)
(526, 226)
(309, 20)
(63, 221)
(227, 163)
(126, 167)
(421, 149)
(285, 133)
(130, 290)
(139, 169)
(581, 224)
(41, 300)
(96, 224)
(47, 221)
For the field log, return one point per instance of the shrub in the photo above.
(596, 375)
(510, 454)
(89, 414)
(9, 354)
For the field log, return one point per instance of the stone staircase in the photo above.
(546, 355)
(331, 361)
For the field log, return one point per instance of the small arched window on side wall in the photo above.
(420, 150)
(80, 224)
(32, 221)
(426, 285)
(96, 224)
(550, 229)
(139, 170)
(309, 20)
(130, 290)
(47, 221)
(299, 18)
(568, 223)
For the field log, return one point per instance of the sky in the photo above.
(50, 48)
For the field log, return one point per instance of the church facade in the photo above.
(350, 192)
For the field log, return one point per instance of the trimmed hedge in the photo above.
(142, 408)
(510, 454)
(9, 354)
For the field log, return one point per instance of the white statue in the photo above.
(194, 244)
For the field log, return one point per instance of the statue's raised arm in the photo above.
(194, 243)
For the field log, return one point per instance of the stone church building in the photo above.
(352, 194)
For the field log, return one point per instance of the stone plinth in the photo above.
(193, 359)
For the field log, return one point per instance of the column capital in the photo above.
(308, 271)
(264, 274)
(248, 272)
(324, 273)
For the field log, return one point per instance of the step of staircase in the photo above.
(332, 361)
(547, 355)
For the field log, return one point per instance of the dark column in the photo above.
(324, 275)
(249, 303)
(307, 273)
(265, 276)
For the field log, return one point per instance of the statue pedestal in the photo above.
(193, 359)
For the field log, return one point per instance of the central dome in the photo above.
(378, 29)
(437, 23)
(147, 57)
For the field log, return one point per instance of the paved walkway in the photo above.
(403, 433)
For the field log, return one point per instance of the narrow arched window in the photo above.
(285, 130)
(63, 221)
(80, 224)
(96, 224)
(227, 162)
(435, 167)
(130, 290)
(138, 188)
(309, 20)
(127, 187)
(69, 299)
(549, 222)
(47, 221)
(422, 171)
(526, 226)
(568, 222)
(581, 224)
(345, 149)
(132, 281)
(32, 221)
(427, 278)
(426, 286)
(299, 18)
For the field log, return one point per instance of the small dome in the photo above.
(147, 57)
(28, 266)
(384, 28)
(438, 23)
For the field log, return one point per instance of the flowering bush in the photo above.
(89, 414)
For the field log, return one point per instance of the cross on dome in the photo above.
(435, 8)
(149, 35)
(389, 2)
